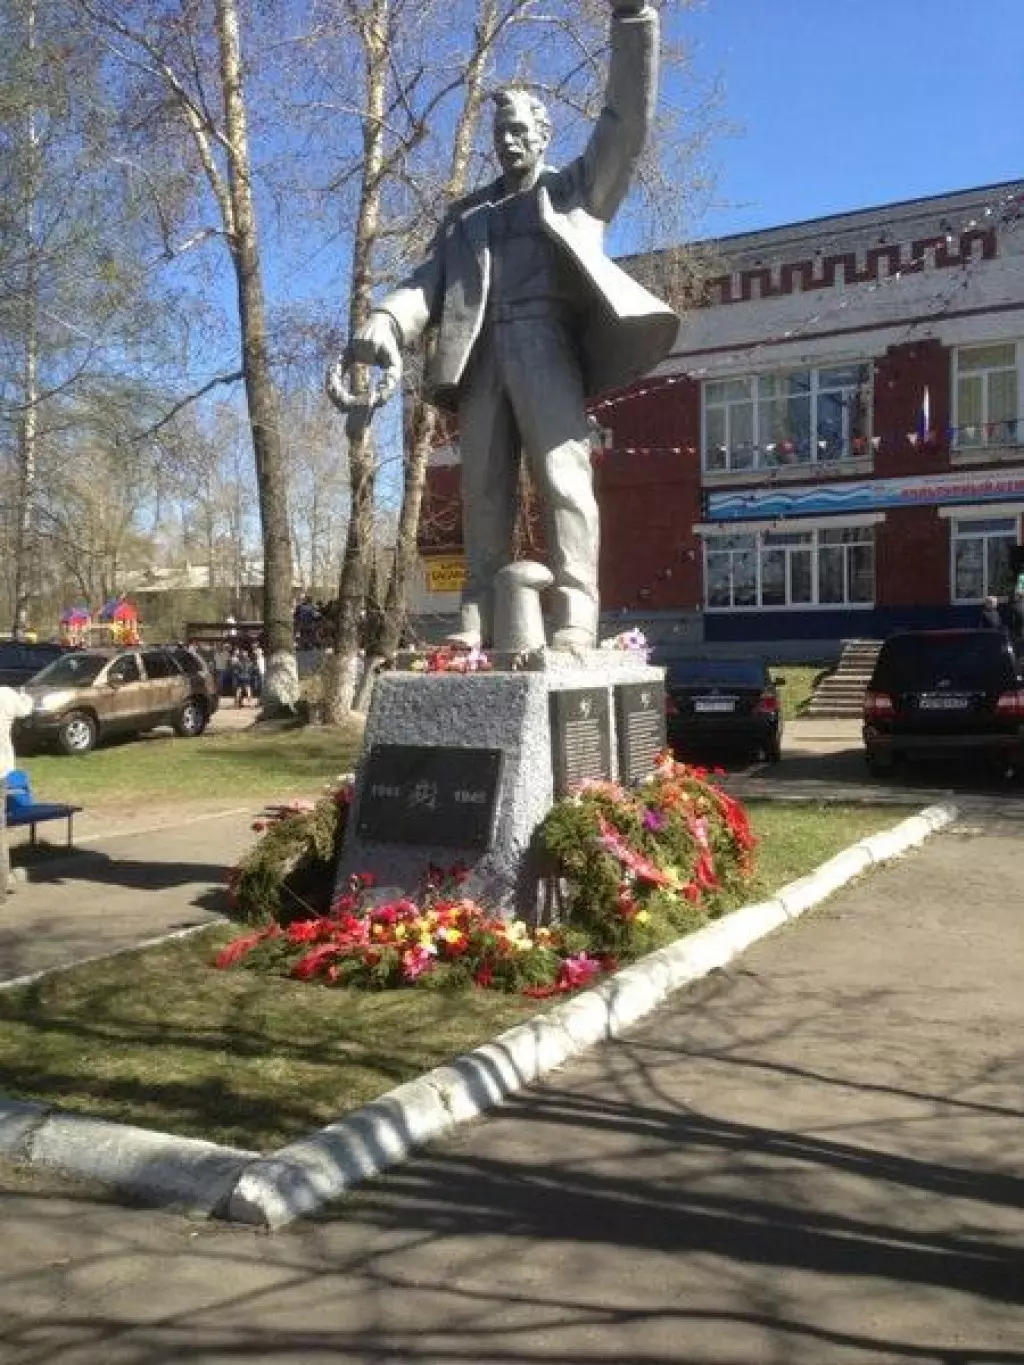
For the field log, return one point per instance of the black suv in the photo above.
(944, 691)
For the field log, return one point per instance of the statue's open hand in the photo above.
(375, 345)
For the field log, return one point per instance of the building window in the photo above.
(801, 417)
(786, 568)
(982, 557)
(987, 396)
(731, 572)
(846, 565)
(833, 567)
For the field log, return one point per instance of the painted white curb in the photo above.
(305, 1175)
(227, 1182)
(182, 1173)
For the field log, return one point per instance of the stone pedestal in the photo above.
(531, 728)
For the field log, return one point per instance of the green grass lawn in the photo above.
(800, 683)
(254, 764)
(161, 1039)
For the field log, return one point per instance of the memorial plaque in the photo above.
(580, 736)
(419, 794)
(640, 728)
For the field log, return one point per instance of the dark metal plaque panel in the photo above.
(581, 744)
(640, 728)
(419, 794)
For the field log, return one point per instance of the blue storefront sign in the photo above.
(803, 500)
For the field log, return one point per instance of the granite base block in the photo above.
(507, 711)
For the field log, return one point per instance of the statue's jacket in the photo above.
(622, 330)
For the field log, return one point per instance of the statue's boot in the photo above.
(464, 639)
(470, 634)
(573, 619)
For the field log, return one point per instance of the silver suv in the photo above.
(86, 695)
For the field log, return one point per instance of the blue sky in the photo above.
(843, 104)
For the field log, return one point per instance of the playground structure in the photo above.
(116, 623)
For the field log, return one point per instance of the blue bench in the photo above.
(23, 809)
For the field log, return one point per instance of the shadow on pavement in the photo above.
(89, 865)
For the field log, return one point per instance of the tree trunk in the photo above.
(423, 424)
(341, 674)
(423, 430)
(24, 547)
(281, 686)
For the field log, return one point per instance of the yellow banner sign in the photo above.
(446, 574)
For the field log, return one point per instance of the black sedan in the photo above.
(22, 659)
(723, 705)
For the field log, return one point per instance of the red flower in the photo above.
(625, 903)
(237, 949)
(312, 962)
(540, 992)
(303, 931)
(704, 873)
(484, 975)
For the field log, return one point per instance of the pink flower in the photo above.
(416, 961)
(577, 971)
(699, 828)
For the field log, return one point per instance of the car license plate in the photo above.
(716, 704)
(941, 702)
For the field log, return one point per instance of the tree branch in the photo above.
(232, 378)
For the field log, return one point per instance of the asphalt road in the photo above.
(814, 1157)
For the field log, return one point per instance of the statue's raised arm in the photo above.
(528, 321)
(620, 134)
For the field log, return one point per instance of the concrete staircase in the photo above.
(841, 694)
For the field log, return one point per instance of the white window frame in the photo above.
(763, 460)
(998, 439)
(964, 527)
(711, 533)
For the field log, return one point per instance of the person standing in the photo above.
(990, 615)
(260, 660)
(14, 703)
(531, 320)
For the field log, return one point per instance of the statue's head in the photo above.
(522, 131)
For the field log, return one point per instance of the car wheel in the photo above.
(77, 733)
(191, 721)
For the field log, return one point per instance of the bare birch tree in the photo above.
(173, 55)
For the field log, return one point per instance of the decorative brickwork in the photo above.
(822, 272)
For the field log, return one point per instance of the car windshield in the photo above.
(716, 673)
(71, 670)
(913, 663)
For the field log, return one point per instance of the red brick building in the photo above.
(835, 447)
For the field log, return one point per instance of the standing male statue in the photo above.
(528, 319)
